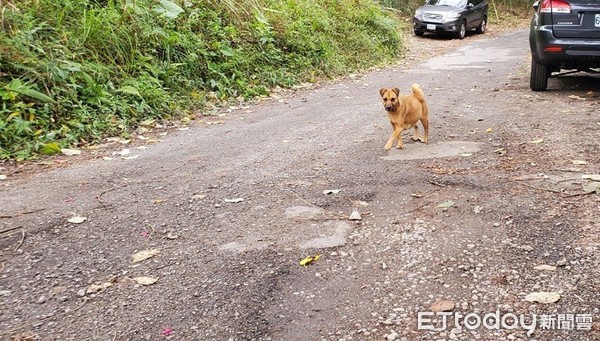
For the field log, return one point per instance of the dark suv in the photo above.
(451, 16)
(564, 35)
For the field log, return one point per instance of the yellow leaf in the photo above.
(538, 141)
(310, 259)
(143, 280)
(145, 254)
(489, 130)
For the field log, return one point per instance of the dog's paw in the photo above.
(400, 146)
(416, 138)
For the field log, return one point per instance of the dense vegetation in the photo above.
(75, 71)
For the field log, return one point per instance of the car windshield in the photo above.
(453, 3)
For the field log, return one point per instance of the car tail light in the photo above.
(553, 49)
(555, 6)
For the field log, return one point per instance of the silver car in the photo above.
(451, 16)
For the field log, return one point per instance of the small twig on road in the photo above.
(437, 183)
(99, 197)
(20, 213)
(538, 188)
(11, 229)
(22, 239)
(578, 194)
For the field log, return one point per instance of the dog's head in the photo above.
(390, 98)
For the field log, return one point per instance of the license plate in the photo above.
(596, 20)
(431, 27)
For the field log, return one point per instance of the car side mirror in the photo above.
(536, 5)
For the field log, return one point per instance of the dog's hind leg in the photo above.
(425, 122)
(416, 133)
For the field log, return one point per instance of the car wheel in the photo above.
(462, 30)
(482, 26)
(538, 80)
(419, 33)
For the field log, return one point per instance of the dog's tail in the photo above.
(416, 89)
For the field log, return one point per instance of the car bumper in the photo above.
(427, 26)
(562, 50)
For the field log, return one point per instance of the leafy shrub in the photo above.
(75, 71)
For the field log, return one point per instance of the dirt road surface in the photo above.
(231, 206)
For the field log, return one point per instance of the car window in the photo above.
(454, 3)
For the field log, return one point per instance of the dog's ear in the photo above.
(382, 91)
(396, 91)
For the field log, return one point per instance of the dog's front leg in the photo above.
(390, 141)
(399, 137)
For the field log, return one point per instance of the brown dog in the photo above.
(404, 112)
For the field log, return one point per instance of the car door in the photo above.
(476, 12)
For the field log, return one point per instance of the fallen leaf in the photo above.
(466, 154)
(489, 130)
(123, 152)
(70, 152)
(442, 305)
(331, 191)
(107, 158)
(184, 128)
(591, 187)
(77, 220)
(309, 260)
(147, 122)
(144, 254)
(172, 235)
(545, 267)
(355, 216)
(579, 162)
(593, 177)
(144, 280)
(543, 297)
(234, 201)
(130, 157)
(158, 201)
(446, 204)
(198, 196)
(538, 141)
(500, 151)
(3, 177)
(416, 195)
(577, 97)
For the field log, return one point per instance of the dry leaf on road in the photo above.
(144, 254)
(144, 280)
(442, 305)
(543, 297)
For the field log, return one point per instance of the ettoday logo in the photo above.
(508, 321)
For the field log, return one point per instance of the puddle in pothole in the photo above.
(416, 151)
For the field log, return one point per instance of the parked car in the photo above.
(564, 35)
(451, 16)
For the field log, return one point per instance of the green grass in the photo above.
(75, 71)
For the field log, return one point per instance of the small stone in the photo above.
(562, 262)
(5, 292)
(63, 299)
(317, 274)
(355, 216)
(81, 292)
(545, 267)
(392, 336)
(42, 299)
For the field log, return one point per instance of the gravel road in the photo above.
(228, 206)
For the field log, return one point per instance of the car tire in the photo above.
(419, 33)
(462, 30)
(538, 80)
(482, 26)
